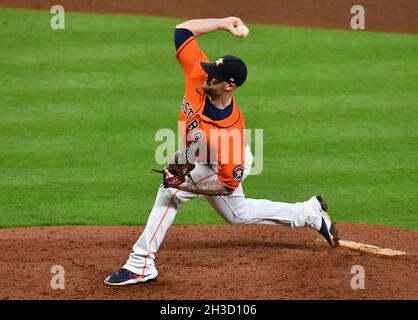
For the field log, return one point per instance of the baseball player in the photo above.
(209, 106)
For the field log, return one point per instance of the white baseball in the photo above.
(243, 30)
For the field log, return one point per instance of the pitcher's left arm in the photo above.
(209, 188)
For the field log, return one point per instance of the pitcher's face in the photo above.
(214, 87)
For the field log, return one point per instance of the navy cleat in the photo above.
(328, 228)
(125, 277)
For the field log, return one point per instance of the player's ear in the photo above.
(230, 87)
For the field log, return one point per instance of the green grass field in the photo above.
(79, 109)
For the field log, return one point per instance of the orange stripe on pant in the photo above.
(162, 219)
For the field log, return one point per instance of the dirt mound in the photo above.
(382, 15)
(209, 262)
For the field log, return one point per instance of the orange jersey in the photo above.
(224, 138)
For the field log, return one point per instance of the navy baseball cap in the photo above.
(227, 68)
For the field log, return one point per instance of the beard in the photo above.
(206, 88)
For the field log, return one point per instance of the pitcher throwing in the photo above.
(209, 112)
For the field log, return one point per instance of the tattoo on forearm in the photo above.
(211, 188)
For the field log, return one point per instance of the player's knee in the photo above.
(233, 221)
(236, 220)
(169, 196)
(236, 214)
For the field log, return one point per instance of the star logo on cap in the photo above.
(219, 61)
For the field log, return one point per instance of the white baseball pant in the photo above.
(235, 209)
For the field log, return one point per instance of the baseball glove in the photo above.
(180, 166)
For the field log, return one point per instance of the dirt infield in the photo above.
(209, 262)
(381, 15)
